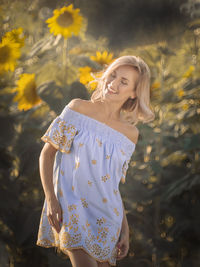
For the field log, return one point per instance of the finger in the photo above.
(53, 219)
(121, 254)
(59, 216)
(119, 244)
(57, 225)
(54, 223)
(120, 257)
(50, 220)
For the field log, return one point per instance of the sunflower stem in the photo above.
(64, 60)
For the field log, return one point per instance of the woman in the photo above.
(86, 154)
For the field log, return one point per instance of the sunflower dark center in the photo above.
(30, 91)
(4, 54)
(65, 19)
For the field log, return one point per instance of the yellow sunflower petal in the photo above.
(105, 54)
(9, 53)
(85, 76)
(26, 92)
(16, 36)
(189, 72)
(66, 21)
(180, 93)
(102, 58)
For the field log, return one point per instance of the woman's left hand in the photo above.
(122, 245)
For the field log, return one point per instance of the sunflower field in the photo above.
(48, 56)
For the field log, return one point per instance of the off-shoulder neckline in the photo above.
(102, 124)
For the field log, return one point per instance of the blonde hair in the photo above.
(139, 108)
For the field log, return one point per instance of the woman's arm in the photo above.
(46, 161)
(123, 242)
(125, 227)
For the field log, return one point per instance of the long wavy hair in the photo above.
(132, 110)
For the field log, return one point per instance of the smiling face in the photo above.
(120, 83)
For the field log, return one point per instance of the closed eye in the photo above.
(113, 76)
(124, 82)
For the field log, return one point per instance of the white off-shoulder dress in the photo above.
(91, 160)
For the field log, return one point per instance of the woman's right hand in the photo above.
(54, 213)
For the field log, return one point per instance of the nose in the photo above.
(113, 84)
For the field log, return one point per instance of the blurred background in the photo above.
(50, 52)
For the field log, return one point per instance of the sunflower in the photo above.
(86, 78)
(189, 72)
(155, 85)
(9, 53)
(180, 93)
(85, 75)
(65, 21)
(92, 85)
(185, 106)
(102, 58)
(16, 36)
(26, 92)
(155, 90)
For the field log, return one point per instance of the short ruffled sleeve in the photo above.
(124, 171)
(126, 157)
(61, 132)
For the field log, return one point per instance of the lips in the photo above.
(111, 91)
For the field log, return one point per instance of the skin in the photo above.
(122, 81)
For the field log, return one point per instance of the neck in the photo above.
(110, 111)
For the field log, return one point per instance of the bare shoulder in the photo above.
(77, 104)
(132, 132)
(87, 108)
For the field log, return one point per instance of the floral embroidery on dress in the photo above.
(123, 153)
(80, 144)
(116, 211)
(60, 135)
(60, 192)
(115, 191)
(71, 207)
(69, 240)
(102, 233)
(105, 178)
(104, 200)
(90, 183)
(101, 221)
(99, 142)
(113, 239)
(84, 203)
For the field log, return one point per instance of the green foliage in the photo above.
(162, 193)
